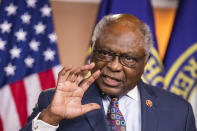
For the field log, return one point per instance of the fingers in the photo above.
(79, 79)
(61, 74)
(88, 67)
(78, 74)
(90, 80)
(75, 76)
(90, 107)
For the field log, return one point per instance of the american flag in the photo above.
(28, 58)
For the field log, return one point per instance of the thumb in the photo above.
(90, 107)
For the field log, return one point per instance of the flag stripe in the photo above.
(18, 88)
(33, 90)
(8, 111)
(1, 125)
(47, 79)
(56, 70)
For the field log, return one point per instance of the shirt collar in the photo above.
(134, 93)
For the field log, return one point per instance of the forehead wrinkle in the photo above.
(126, 39)
(119, 49)
(123, 38)
(119, 27)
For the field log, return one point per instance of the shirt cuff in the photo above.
(39, 125)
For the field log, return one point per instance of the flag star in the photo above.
(10, 69)
(2, 44)
(31, 3)
(49, 54)
(5, 27)
(46, 10)
(40, 28)
(15, 52)
(11, 9)
(34, 45)
(52, 37)
(21, 35)
(29, 61)
(26, 18)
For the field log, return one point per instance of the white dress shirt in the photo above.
(129, 105)
(39, 125)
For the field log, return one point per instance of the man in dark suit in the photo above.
(113, 97)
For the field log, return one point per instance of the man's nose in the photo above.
(115, 65)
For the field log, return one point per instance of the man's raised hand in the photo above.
(66, 102)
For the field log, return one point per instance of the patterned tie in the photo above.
(115, 119)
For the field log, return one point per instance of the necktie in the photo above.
(115, 119)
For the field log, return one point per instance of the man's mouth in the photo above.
(111, 81)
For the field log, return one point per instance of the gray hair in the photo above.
(144, 28)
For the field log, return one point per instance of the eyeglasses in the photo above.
(125, 60)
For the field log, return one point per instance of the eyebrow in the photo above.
(130, 54)
(133, 54)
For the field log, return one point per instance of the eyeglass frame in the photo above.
(113, 55)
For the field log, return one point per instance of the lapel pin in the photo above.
(149, 103)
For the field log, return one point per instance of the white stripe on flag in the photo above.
(56, 70)
(33, 89)
(8, 111)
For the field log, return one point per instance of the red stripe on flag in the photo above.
(1, 124)
(47, 79)
(20, 99)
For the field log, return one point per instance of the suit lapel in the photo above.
(149, 108)
(96, 118)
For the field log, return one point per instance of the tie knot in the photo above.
(114, 102)
(114, 99)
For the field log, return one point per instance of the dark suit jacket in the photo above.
(168, 112)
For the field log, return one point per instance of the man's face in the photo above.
(116, 79)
